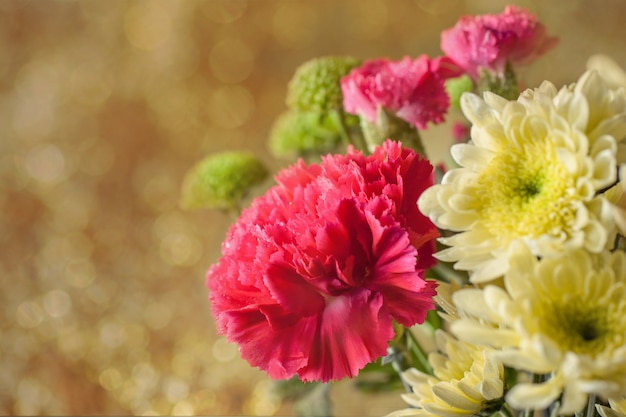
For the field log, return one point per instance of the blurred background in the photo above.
(104, 105)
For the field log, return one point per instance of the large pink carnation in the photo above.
(314, 272)
(489, 41)
(412, 89)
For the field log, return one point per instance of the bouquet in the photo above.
(494, 284)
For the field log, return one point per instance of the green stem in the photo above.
(355, 140)
(507, 411)
(591, 406)
(418, 353)
(398, 366)
(414, 141)
(448, 274)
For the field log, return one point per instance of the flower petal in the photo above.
(339, 350)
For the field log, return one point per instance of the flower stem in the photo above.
(355, 140)
(528, 412)
(414, 141)
(398, 366)
(418, 353)
(448, 274)
(591, 406)
(506, 411)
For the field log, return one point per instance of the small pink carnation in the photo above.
(489, 41)
(460, 131)
(315, 271)
(412, 89)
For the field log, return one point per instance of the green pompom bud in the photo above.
(303, 134)
(221, 180)
(457, 86)
(316, 84)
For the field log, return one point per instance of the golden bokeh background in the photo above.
(104, 105)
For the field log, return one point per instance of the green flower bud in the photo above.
(457, 86)
(221, 180)
(390, 126)
(316, 85)
(505, 86)
(303, 134)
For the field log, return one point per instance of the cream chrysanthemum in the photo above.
(532, 173)
(466, 381)
(616, 195)
(608, 69)
(563, 318)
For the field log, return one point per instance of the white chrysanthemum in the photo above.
(617, 408)
(531, 173)
(466, 381)
(616, 195)
(615, 77)
(608, 69)
(564, 318)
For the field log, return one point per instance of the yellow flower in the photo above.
(564, 318)
(466, 381)
(532, 173)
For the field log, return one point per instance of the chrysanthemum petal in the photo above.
(472, 301)
(409, 412)
(452, 396)
(572, 400)
(607, 412)
(475, 333)
(470, 156)
(476, 110)
(535, 396)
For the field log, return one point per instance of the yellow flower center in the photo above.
(586, 327)
(524, 192)
(580, 328)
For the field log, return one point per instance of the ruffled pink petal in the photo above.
(408, 306)
(404, 185)
(353, 330)
(293, 293)
(281, 349)
(413, 89)
(489, 41)
(407, 296)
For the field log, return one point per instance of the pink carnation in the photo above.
(314, 272)
(460, 131)
(412, 89)
(489, 41)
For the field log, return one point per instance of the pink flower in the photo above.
(460, 131)
(489, 41)
(412, 89)
(314, 272)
